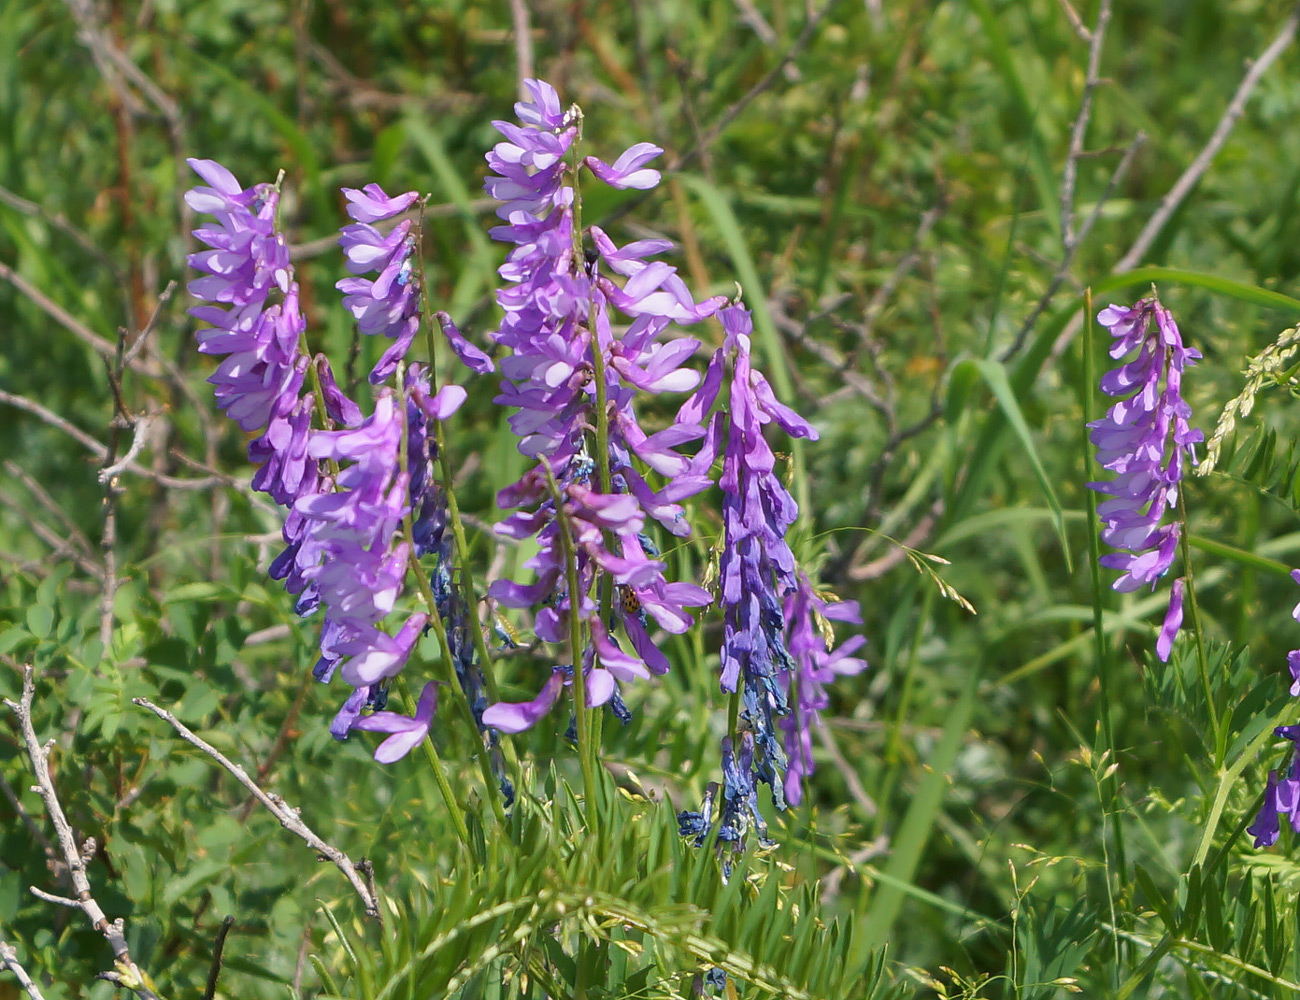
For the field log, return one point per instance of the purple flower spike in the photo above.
(1173, 621)
(1144, 439)
(407, 731)
(389, 304)
(515, 717)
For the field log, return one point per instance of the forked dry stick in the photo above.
(127, 973)
(9, 959)
(286, 814)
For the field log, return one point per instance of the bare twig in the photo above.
(78, 329)
(218, 946)
(9, 958)
(142, 336)
(1062, 270)
(287, 815)
(73, 534)
(710, 134)
(57, 541)
(60, 222)
(523, 32)
(142, 426)
(1183, 186)
(50, 897)
(99, 451)
(116, 69)
(1070, 175)
(129, 973)
(1076, 22)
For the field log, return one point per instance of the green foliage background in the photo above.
(890, 201)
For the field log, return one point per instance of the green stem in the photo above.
(439, 775)
(439, 627)
(585, 755)
(469, 592)
(1194, 615)
(1101, 657)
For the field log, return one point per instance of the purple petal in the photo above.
(515, 717)
(1173, 621)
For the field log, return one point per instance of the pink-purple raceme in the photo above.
(571, 317)
(343, 484)
(1144, 439)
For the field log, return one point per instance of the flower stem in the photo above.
(439, 626)
(1194, 614)
(585, 755)
(439, 775)
(1094, 559)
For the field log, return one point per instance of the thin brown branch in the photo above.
(523, 32)
(218, 947)
(61, 545)
(61, 223)
(74, 535)
(129, 973)
(710, 135)
(99, 451)
(288, 816)
(1070, 175)
(1236, 107)
(1062, 269)
(104, 348)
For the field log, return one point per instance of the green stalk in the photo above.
(585, 755)
(1101, 658)
(1194, 615)
(469, 592)
(435, 764)
(439, 627)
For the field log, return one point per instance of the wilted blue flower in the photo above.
(1143, 439)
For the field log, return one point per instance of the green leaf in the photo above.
(995, 375)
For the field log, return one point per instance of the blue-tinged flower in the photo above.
(1266, 828)
(1143, 439)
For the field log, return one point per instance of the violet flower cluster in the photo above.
(590, 332)
(344, 484)
(1143, 439)
(776, 648)
(558, 307)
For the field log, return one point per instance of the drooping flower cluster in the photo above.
(588, 334)
(811, 644)
(558, 307)
(1143, 439)
(773, 650)
(343, 484)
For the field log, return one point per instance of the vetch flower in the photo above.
(388, 305)
(406, 731)
(1144, 439)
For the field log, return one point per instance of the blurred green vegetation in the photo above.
(894, 190)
